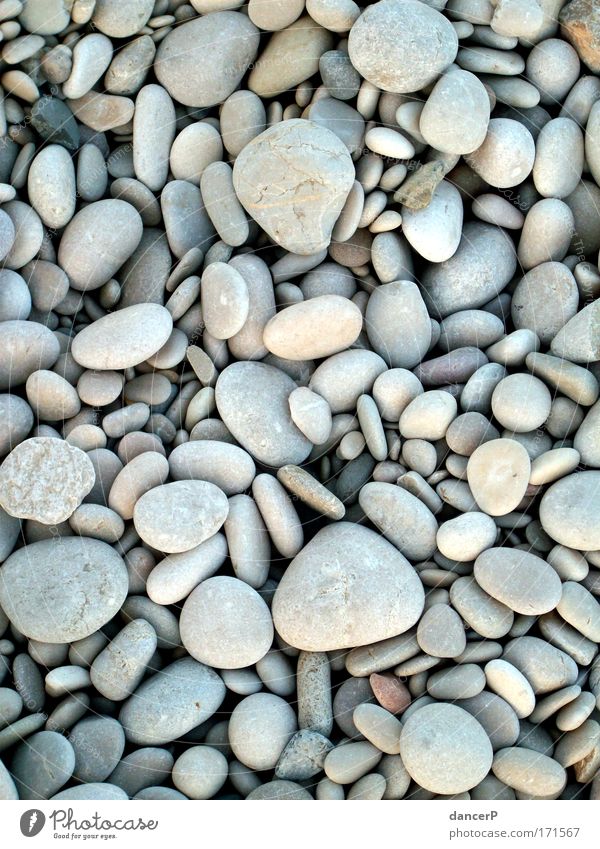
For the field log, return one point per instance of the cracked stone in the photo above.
(294, 179)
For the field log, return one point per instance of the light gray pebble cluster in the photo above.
(299, 417)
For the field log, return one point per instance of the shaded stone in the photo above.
(55, 122)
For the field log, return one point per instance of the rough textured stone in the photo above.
(401, 46)
(580, 22)
(293, 179)
(45, 479)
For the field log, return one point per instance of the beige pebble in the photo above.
(142, 473)
(529, 771)
(506, 680)
(440, 632)
(225, 300)
(498, 474)
(518, 579)
(379, 726)
(314, 329)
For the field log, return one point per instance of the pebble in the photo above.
(580, 609)
(489, 617)
(124, 338)
(169, 704)
(252, 399)
(568, 511)
(463, 681)
(98, 742)
(201, 62)
(153, 134)
(401, 517)
(397, 323)
(354, 609)
(456, 114)
(178, 516)
(313, 329)
(435, 232)
(200, 772)
(291, 56)
(347, 763)
(577, 340)
(506, 156)
(483, 264)
(522, 581)
(529, 772)
(118, 669)
(498, 474)
(545, 299)
(226, 624)
(379, 726)
(559, 157)
(585, 441)
(117, 229)
(303, 226)
(42, 765)
(440, 632)
(141, 474)
(83, 599)
(466, 537)
(506, 680)
(521, 402)
(304, 756)
(545, 667)
(260, 728)
(462, 751)
(391, 45)
(28, 486)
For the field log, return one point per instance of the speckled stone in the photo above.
(30, 487)
(63, 589)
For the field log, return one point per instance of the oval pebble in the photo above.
(124, 338)
(264, 429)
(518, 579)
(498, 473)
(313, 329)
(392, 45)
(171, 703)
(117, 229)
(178, 516)
(568, 511)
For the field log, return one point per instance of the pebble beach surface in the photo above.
(299, 399)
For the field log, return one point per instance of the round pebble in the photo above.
(461, 748)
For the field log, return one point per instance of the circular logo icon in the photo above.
(32, 822)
